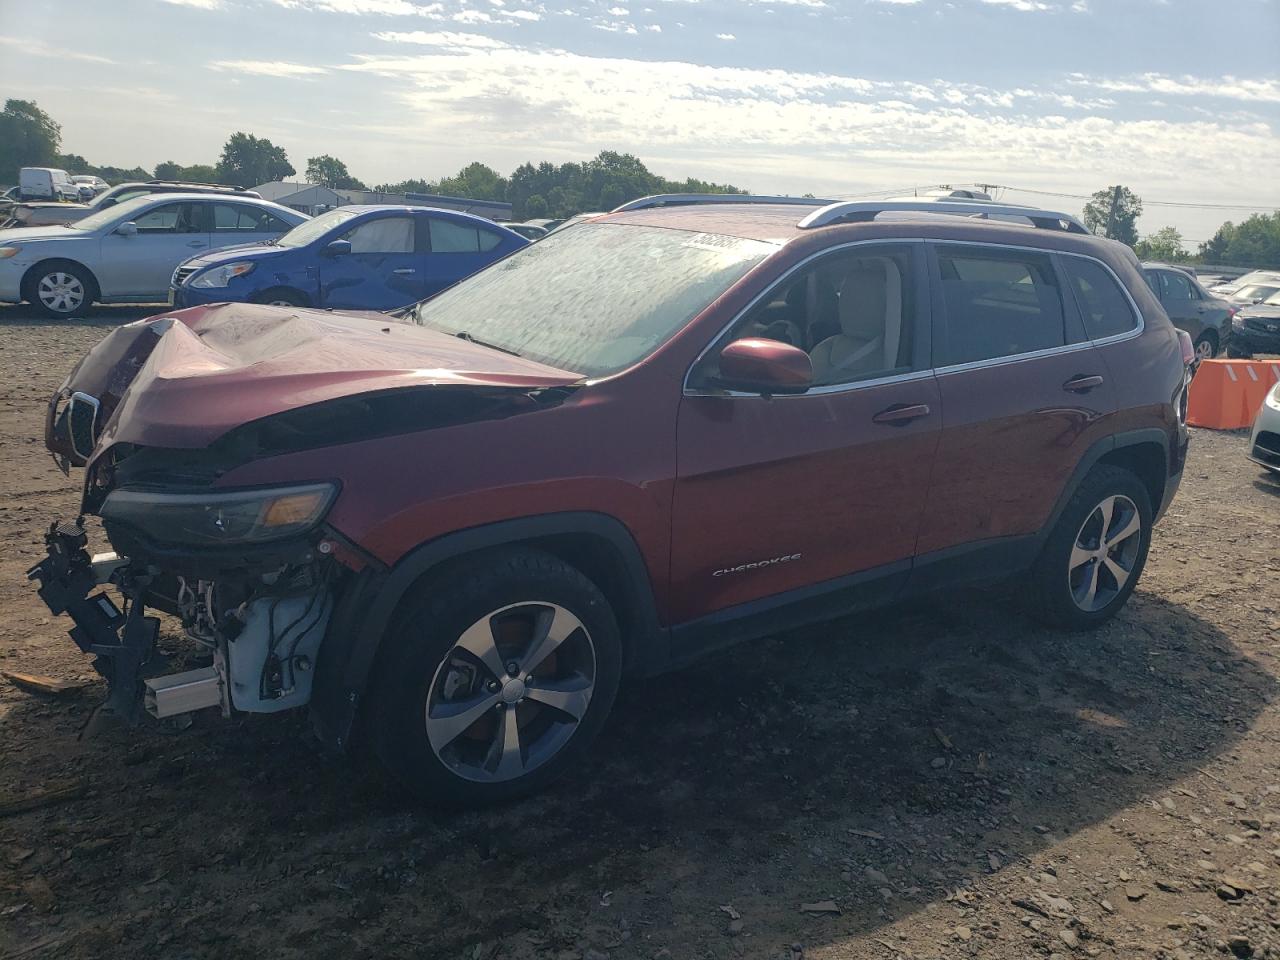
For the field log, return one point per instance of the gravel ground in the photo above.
(939, 781)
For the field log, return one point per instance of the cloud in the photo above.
(267, 68)
(391, 8)
(1025, 6)
(31, 47)
(725, 36)
(198, 4)
(1228, 87)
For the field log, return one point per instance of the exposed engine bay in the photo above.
(262, 632)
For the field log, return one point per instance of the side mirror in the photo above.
(127, 229)
(765, 366)
(337, 248)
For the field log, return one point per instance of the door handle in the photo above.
(196, 243)
(404, 270)
(901, 414)
(1082, 383)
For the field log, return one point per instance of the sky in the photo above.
(1178, 99)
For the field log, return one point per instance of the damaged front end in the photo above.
(258, 606)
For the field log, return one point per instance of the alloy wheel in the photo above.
(1105, 553)
(60, 292)
(1204, 349)
(511, 692)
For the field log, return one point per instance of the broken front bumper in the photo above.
(122, 642)
(264, 645)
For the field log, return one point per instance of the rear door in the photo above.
(240, 223)
(140, 266)
(782, 498)
(384, 270)
(457, 251)
(1024, 394)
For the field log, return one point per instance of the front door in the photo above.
(1024, 394)
(782, 498)
(140, 266)
(384, 270)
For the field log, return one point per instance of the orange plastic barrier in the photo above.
(1226, 394)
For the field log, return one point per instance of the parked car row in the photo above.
(46, 214)
(166, 245)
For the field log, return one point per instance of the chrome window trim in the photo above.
(827, 389)
(1051, 351)
(834, 388)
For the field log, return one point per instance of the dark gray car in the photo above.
(1192, 308)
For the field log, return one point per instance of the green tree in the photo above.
(535, 207)
(1114, 213)
(168, 170)
(1253, 243)
(475, 181)
(404, 186)
(331, 172)
(73, 163)
(248, 160)
(1165, 244)
(28, 138)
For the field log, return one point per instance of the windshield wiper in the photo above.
(463, 335)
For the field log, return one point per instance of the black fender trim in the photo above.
(1117, 441)
(368, 603)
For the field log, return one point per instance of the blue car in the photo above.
(352, 258)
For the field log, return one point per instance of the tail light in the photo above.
(1188, 348)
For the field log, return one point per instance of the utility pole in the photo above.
(1111, 217)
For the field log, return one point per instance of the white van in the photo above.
(47, 183)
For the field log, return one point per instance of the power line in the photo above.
(1158, 203)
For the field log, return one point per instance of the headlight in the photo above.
(1273, 398)
(7, 252)
(221, 276)
(245, 516)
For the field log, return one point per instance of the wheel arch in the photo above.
(1144, 453)
(598, 545)
(266, 295)
(30, 276)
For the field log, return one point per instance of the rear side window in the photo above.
(1106, 310)
(1175, 287)
(998, 305)
(450, 237)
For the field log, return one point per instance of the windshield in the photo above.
(1273, 300)
(118, 212)
(311, 230)
(1255, 291)
(595, 299)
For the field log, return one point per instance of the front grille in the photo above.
(82, 422)
(183, 274)
(1267, 448)
(1263, 325)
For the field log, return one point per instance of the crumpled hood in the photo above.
(215, 368)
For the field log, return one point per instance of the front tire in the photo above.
(1096, 552)
(59, 288)
(281, 297)
(496, 681)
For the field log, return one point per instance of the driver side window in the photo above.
(854, 314)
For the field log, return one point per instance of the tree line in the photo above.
(30, 137)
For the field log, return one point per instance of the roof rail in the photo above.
(692, 199)
(855, 211)
(196, 183)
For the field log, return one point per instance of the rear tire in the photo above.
(1096, 552)
(450, 718)
(1206, 345)
(59, 288)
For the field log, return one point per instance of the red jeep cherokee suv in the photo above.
(452, 532)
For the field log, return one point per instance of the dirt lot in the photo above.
(942, 781)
